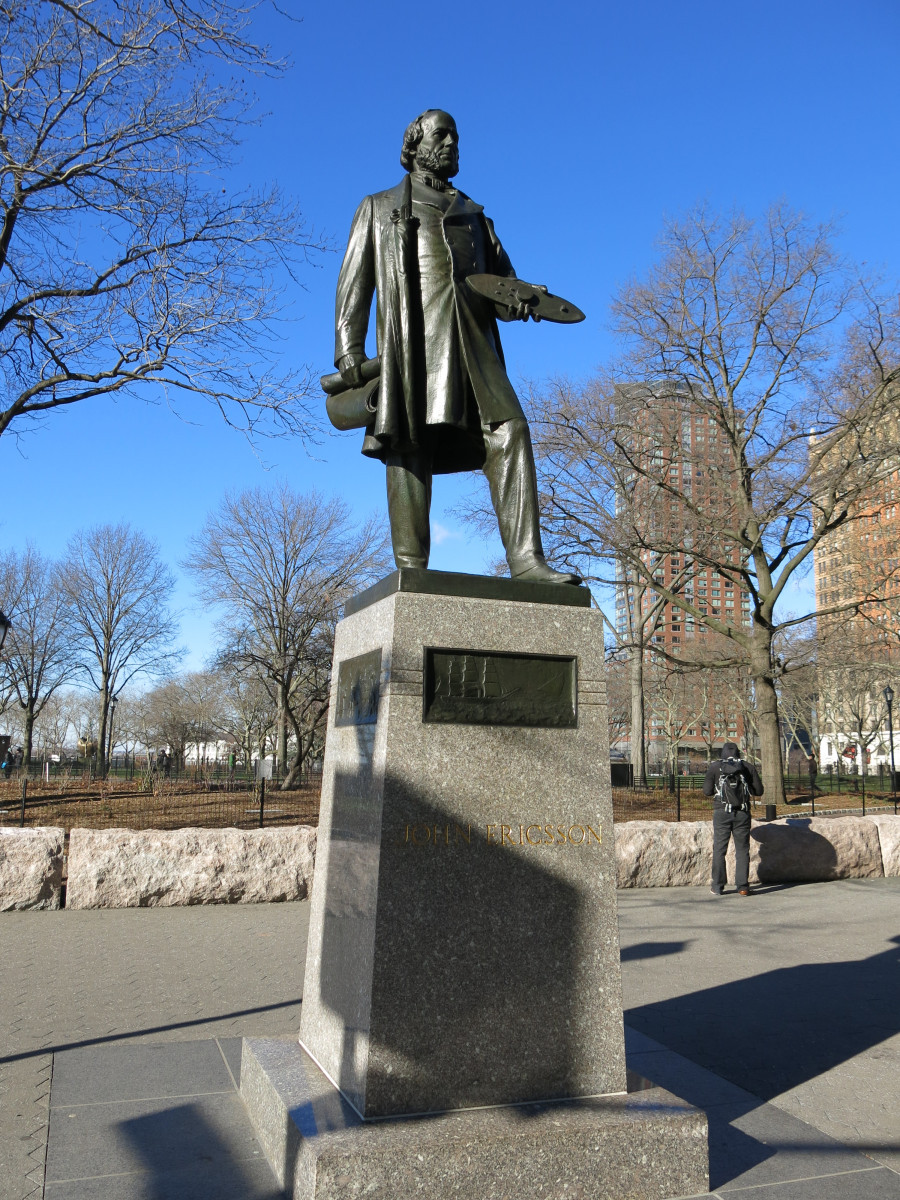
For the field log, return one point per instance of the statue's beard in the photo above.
(442, 163)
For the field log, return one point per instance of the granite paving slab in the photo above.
(94, 976)
(232, 1050)
(104, 1074)
(876, 1183)
(208, 1181)
(751, 1143)
(152, 1121)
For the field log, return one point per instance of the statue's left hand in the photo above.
(526, 310)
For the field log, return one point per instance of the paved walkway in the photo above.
(77, 985)
(780, 1015)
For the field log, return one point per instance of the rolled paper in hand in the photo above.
(354, 408)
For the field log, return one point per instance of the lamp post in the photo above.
(5, 624)
(889, 701)
(113, 701)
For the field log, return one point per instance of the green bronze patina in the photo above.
(443, 400)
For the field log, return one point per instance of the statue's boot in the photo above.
(509, 467)
(539, 571)
(409, 507)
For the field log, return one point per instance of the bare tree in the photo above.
(52, 726)
(184, 712)
(643, 613)
(278, 565)
(680, 699)
(117, 591)
(37, 654)
(248, 712)
(853, 666)
(763, 329)
(798, 687)
(618, 696)
(123, 259)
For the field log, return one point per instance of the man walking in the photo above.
(732, 782)
(812, 766)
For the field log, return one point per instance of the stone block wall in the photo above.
(31, 864)
(124, 868)
(663, 853)
(127, 868)
(889, 837)
(791, 850)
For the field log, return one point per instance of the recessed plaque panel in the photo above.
(358, 687)
(471, 687)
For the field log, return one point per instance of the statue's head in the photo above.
(431, 144)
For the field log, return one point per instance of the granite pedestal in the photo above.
(462, 999)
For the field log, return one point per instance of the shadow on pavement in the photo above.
(120, 1036)
(653, 949)
(184, 1156)
(781, 1028)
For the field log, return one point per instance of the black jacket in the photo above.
(749, 771)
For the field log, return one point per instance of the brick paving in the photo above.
(778, 1015)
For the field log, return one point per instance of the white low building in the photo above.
(835, 747)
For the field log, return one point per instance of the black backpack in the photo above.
(732, 789)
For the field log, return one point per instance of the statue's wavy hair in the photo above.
(411, 139)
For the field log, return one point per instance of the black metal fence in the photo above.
(215, 796)
(680, 798)
(152, 801)
(134, 766)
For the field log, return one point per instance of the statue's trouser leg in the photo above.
(409, 506)
(509, 467)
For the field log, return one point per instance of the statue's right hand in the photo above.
(350, 368)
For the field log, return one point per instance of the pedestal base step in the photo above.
(646, 1144)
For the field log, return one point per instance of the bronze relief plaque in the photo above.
(358, 686)
(473, 687)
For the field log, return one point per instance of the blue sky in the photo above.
(581, 126)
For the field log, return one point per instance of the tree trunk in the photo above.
(638, 756)
(292, 776)
(101, 735)
(768, 725)
(28, 735)
(110, 739)
(304, 745)
(280, 739)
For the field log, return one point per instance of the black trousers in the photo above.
(725, 826)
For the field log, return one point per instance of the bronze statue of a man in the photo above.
(445, 402)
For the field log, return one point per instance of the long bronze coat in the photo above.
(443, 396)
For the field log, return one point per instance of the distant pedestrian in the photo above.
(7, 765)
(812, 766)
(732, 782)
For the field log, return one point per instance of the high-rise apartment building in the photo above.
(701, 710)
(861, 559)
(859, 650)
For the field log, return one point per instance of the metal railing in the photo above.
(151, 801)
(680, 798)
